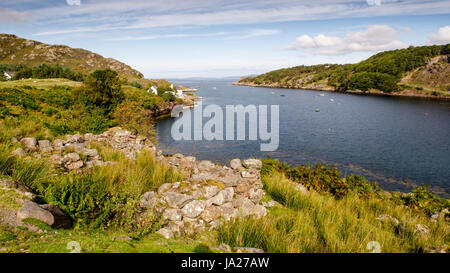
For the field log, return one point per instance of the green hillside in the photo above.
(389, 72)
(18, 51)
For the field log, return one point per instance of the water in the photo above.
(399, 142)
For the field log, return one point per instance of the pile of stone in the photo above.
(74, 152)
(210, 194)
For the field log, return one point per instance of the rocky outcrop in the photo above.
(49, 214)
(74, 153)
(210, 194)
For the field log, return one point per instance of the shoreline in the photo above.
(369, 93)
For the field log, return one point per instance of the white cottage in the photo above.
(153, 89)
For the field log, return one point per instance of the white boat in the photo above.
(214, 88)
(322, 95)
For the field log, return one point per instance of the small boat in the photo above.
(272, 93)
(317, 110)
(331, 99)
(282, 95)
(322, 95)
(214, 88)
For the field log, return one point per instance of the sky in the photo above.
(222, 38)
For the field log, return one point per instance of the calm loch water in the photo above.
(399, 142)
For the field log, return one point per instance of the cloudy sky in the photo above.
(215, 38)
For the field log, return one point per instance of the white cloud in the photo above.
(375, 38)
(256, 33)
(441, 37)
(166, 36)
(108, 15)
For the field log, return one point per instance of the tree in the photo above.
(102, 89)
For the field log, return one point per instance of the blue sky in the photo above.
(216, 38)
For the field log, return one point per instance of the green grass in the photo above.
(94, 241)
(316, 222)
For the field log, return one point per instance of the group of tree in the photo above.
(45, 71)
(382, 71)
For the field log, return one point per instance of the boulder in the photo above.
(194, 208)
(177, 200)
(388, 219)
(225, 195)
(29, 143)
(18, 152)
(170, 214)
(45, 146)
(210, 191)
(165, 232)
(205, 165)
(149, 200)
(252, 163)
(75, 138)
(72, 157)
(49, 214)
(247, 250)
(236, 164)
(90, 153)
(75, 165)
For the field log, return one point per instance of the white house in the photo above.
(8, 75)
(171, 86)
(154, 90)
(179, 93)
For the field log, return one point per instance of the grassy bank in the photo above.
(326, 220)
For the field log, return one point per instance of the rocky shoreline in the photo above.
(408, 93)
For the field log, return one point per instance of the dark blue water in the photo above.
(399, 142)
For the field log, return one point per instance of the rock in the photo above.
(194, 208)
(49, 214)
(170, 214)
(225, 195)
(245, 206)
(193, 226)
(149, 200)
(23, 190)
(29, 143)
(210, 191)
(167, 233)
(255, 195)
(246, 174)
(242, 188)
(210, 213)
(247, 250)
(271, 203)
(75, 165)
(222, 248)
(299, 187)
(259, 211)
(90, 153)
(14, 140)
(18, 152)
(45, 146)
(58, 145)
(422, 230)
(388, 218)
(236, 164)
(75, 138)
(124, 238)
(177, 200)
(72, 157)
(205, 165)
(252, 164)
(164, 188)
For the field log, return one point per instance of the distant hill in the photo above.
(415, 71)
(18, 51)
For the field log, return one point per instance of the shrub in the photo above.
(102, 89)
